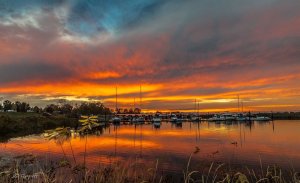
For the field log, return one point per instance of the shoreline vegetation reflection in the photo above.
(139, 147)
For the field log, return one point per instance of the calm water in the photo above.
(275, 142)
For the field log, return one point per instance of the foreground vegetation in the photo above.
(19, 119)
(21, 124)
(28, 168)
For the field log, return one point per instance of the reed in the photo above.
(28, 168)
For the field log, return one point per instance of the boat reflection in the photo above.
(236, 142)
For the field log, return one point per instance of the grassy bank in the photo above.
(28, 168)
(283, 115)
(21, 124)
(69, 168)
(274, 116)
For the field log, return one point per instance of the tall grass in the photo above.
(28, 168)
(221, 174)
(124, 172)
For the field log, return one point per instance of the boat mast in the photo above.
(140, 98)
(238, 103)
(195, 105)
(198, 109)
(242, 106)
(116, 99)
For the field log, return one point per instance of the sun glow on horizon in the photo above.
(63, 53)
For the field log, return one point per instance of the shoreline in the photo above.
(33, 168)
(23, 124)
(14, 125)
(111, 171)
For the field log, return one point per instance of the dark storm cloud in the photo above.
(210, 47)
(201, 34)
(28, 71)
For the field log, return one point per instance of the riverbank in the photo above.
(282, 115)
(128, 153)
(17, 124)
(22, 124)
(29, 168)
(274, 116)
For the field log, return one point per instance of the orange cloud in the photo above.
(211, 59)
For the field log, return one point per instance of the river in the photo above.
(234, 143)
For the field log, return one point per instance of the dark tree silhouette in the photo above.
(7, 105)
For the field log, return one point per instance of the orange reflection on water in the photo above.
(275, 143)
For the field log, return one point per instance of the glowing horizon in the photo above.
(178, 51)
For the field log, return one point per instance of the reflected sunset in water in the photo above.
(273, 142)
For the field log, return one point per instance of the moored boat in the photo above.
(156, 119)
(116, 120)
(216, 117)
(262, 118)
(241, 117)
(195, 118)
(222, 117)
(140, 120)
(156, 122)
(228, 117)
(173, 118)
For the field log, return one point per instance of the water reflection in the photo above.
(232, 142)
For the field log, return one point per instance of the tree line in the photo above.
(15, 106)
(62, 107)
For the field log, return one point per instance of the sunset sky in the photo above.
(178, 50)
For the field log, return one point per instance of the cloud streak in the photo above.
(178, 50)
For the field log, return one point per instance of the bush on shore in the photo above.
(21, 124)
(27, 168)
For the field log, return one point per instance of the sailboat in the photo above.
(196, 118)
(262, 118)
(116, 119)
(141, 119)
(156, 121)
(173, 118)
